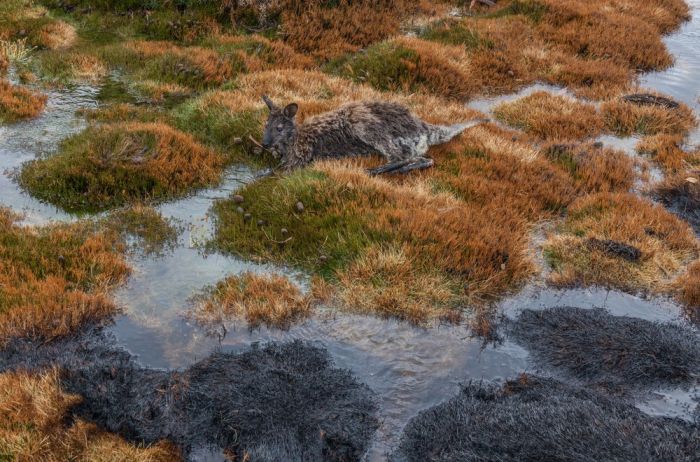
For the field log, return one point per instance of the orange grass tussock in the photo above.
(387, 283)
(18, 103)
(625, 118)
(549, 116)
(593, 169)
(664, 242)
(271, 300)
(114, 164)
(314, 27)
(35, 424)
(55, 279)
(57, 35)
(667, 152)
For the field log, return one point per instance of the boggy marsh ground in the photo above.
(180, 86)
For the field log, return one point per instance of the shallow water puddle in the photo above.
(22, 142)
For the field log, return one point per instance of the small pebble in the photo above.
(284, 231)
(323, 258)
(247, 216)
(237, 140)
(238, 199)
(262, 222)
(511, 73)
(240, 209)
(257, 151)
(299, 206)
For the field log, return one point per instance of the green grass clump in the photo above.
(224, 129)
(455, 33)
(532, 9)
(321, 239)
(386, 66)
(112, 165)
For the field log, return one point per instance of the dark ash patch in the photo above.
(646, 99)
(615, 249)
(614, 351)
(536, 419)
(273, 402)
(682, 198)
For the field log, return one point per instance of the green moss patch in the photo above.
(269, 226)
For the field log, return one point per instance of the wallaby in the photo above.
(356, 129)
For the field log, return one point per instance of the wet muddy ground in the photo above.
(407, 369)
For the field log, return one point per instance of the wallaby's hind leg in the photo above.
(402, 166)
(389, 167)
(417, 164)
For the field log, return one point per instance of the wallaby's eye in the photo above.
(280, 127)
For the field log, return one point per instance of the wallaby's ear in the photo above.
(291, 110)
(268, 101)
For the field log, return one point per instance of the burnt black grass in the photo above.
(596, 348)
(538, 419)
(273, 402)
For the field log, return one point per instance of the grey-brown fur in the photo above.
(356, 129)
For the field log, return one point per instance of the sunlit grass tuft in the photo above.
(271, 300)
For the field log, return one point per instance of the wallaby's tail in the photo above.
(440, 134)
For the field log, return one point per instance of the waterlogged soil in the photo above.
(409, 369)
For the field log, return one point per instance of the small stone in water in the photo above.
(299, 206)
(238, 199)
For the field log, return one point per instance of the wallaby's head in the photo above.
(280, 128)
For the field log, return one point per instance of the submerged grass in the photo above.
(150, 231)
(55, 279)
(115, 164)
(36, 424)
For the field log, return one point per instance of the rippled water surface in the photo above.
(409, 368)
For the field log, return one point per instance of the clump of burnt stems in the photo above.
(273, 402)
(535, 418)
(681, 194)
(597, 348)
(111, 165)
